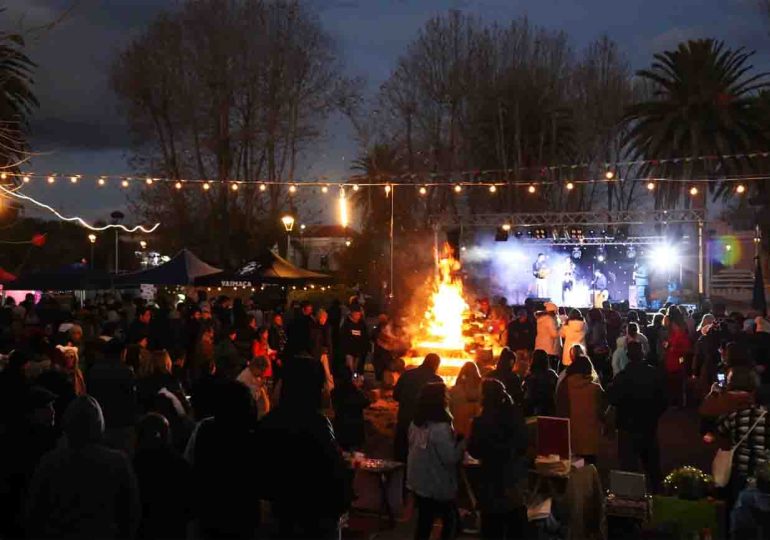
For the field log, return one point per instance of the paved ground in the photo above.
(680, 442)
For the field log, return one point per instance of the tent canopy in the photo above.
(267, 268)
(70, 278)
(182, 269)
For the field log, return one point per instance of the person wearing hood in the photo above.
(547, 336)
(620, 356)
(83, 489)
(573, 333)
(580, 398)
(504, 373)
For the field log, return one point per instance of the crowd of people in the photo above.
(119, 418)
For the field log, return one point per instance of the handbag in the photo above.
(722, 466)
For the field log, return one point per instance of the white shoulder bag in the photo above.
(722, 465)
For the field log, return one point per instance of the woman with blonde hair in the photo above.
(465, 398)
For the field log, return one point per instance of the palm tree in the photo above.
(17, 100)
(703, 103)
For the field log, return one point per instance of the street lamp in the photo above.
(288, 224)
(143, 244)
(92, 239)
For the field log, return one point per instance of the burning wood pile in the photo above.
(447, 328)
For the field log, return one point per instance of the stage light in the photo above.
(518, 234)
(541, 234)
(740, 189)
(501, 234)
(577, 253)
(506, 227)
(601, 255)
(664, 256)
(576, 233)
(631, 252)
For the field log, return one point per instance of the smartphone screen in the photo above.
(721, 379)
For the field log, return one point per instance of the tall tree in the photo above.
(226, 90)
(704, 103)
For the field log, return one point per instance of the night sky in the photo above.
(78, 127)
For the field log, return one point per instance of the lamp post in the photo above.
(117, 217)
(288, 224)
(143, 245)
(92, 239)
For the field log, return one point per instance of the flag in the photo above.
(758, 301)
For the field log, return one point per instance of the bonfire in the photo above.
(441, 330)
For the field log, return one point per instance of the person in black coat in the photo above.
(300, 332)
(165, 484)
(113, 384)
(354, 340)
(297, 444)
(504, 373)
(639, 395)
(226, 468)
(499, 441)
(521, 332)
(540, 387)
(407, 393)
(349, 403)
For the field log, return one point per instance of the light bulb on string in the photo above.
(693, 191)
(3, 176)
(178, 185)
(423, 190)
(292, 189)
(650, 186)
(124, 183)
(609, 175)
(234, 186)
(388, 189)
(148, 181)
(100, 181)
(493, 188)
(206, 186)
(458, 188)
(324, 189)
(51, 179)
(570, 186)
(74, 179)
(262, 187)
(531, 188)
(355, 187)
(740, 189)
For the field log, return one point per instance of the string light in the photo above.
(458, 188)
(100, 181)
(149, 181)
(693, 191)
(343, 208)
(493, 188)
(234, 187)
(3, 176)
(206, 186)
(325, 189)
(74, 179)
(178, 185)
(292, 189)
(355, 187)
(531, 188)
(506, 227)
(740, 189)
(387, 190)
(124, 183)
(609, 175)
(51, 179)
(570, 186)
(262, 187)
(76, 219)
(423, 190)
(650, 186)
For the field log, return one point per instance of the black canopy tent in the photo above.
(70, 278)
(268, 268)
(182, 269)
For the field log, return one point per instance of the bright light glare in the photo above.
(343, 209)
(664, 256)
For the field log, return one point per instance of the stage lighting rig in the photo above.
(577, 253)
(501, 234)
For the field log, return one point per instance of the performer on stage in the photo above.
(641, 283)
(599, 288)
(541, 271)
(568, 281)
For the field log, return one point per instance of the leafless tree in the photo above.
(225, 90)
